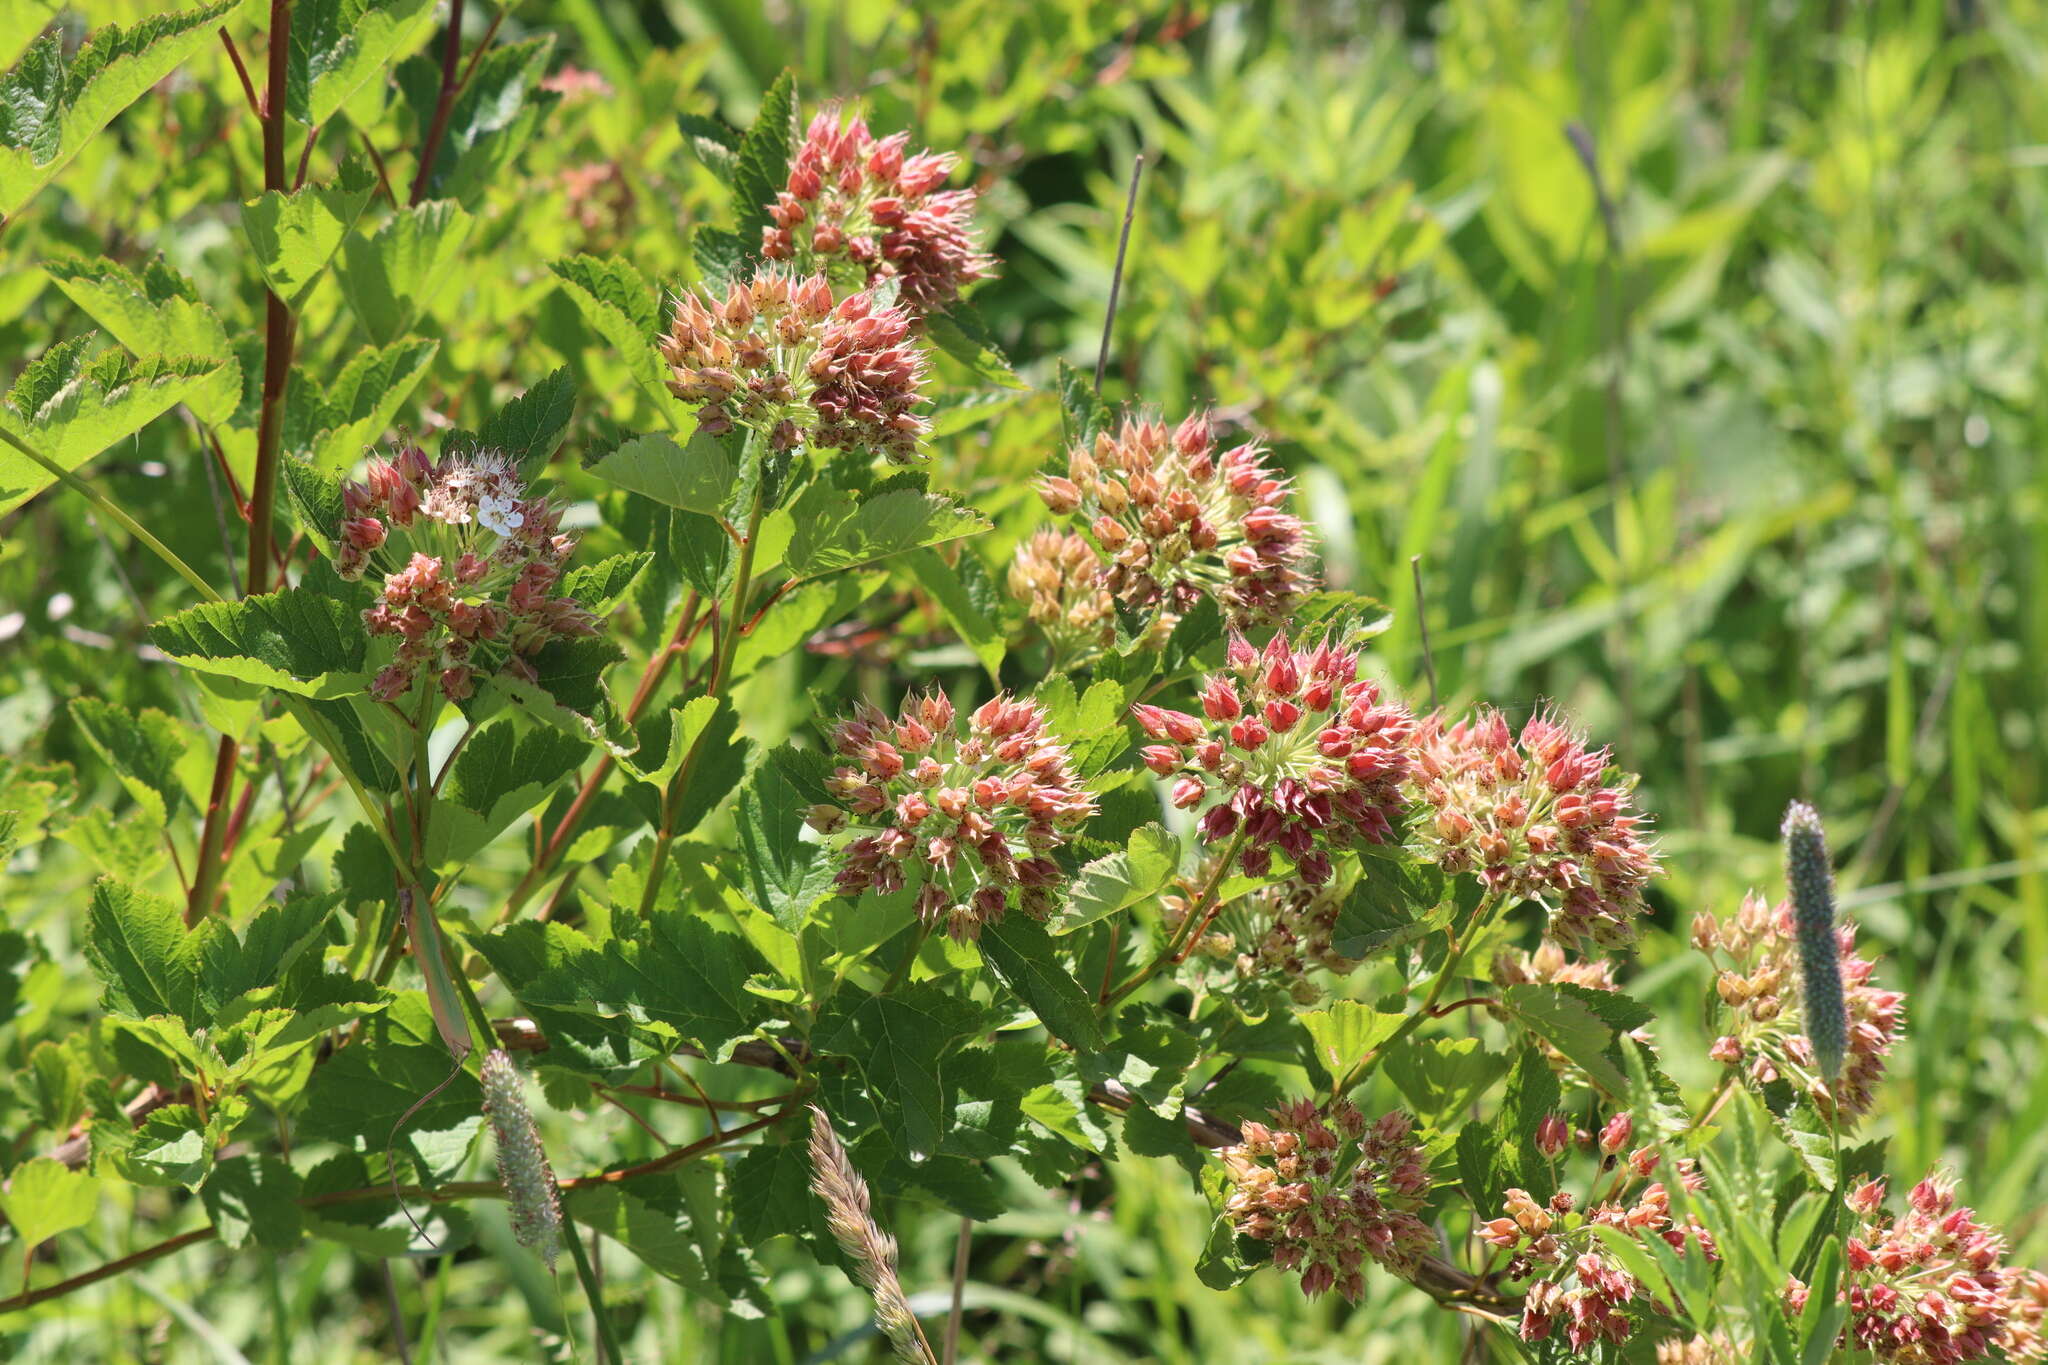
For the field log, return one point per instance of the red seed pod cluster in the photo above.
(1759, 984)
(854, 198)
(1175, 520)
(1053, 574)
(1579, 1283)
(778, 356)
(469, 564)
(1528, 814)
(1288, 929)
(968, 815)
(1330, 1190)
(1293, 749)
(1930, 1286)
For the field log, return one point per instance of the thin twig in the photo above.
(398, 1338)
(248, 86)
(1116, 278)
(451, 52)
(1422, 625)
(949, 1344)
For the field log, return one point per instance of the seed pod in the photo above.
(522, 1162)
(1812, 883)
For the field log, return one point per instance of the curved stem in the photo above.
(113, 511)
(1198, 917)
(1482, 920)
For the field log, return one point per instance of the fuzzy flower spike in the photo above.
(523, 1170)
(969, 815)
(1175, 520)
(778, 356)
(1529, 814)
(1293, 750)
(469, 562)
(856, 199)
(1761, 983)
(1812, 882)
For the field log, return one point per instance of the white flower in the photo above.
(496, 512)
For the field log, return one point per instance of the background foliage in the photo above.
(1730, 446)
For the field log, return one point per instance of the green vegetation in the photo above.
(1678, 364)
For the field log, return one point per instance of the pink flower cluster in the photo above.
(1293, 750)
(1759, 984)
(1175, 521)
(1529, 815)
(1329, 1191)
(1054, 575)
(1931, 1287)
(777, 355)
(1581, 1284)
(470, 562)
(970, 818)
(855, 198)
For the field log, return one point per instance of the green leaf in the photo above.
(500, 775)
(21, 21)
(334, 416)
(254, 1197)
(1082, 414)
(619, 305)
(137, 943)
(295, 640)
(1805, 1131)
(142, 747)
(1227, 1259)
(337, 45)
(838, 528)
(1570, 1026)
(277, 938)
(761, 162)
(899, 1042)
(783, 873)
(390, 276)
(49, 109)
(158, 313)
(68, 408)
(1346, 1033)
(961, 333)
(1152, 1059)
(1024, 956)
(1120, 880)
(668, 737)
(530, 427)
(170, 1147)
(599, 586)
(1443, 1076)
(1390, 906)
(358, 1096)
(698, 477)
(43, 1198)
(677, 971)
(774, 1181)
(968, 599)
(491, 120)
(1092, 724)
(1634, 1259)
(293, 236)
(315, 497)
(1820, 1322)
(673, 1222)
